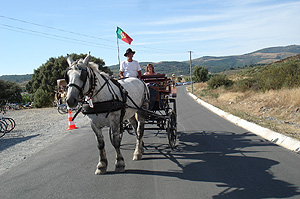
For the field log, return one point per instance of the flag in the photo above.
(123, 36)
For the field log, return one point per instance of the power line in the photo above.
(53, 28)
(52, 36)
(80, 34)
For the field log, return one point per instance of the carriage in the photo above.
(162, 108)
(121, 105)
(60, 94)
(60, 98)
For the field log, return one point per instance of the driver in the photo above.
(130, 67)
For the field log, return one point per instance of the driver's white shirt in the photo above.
(130, 69)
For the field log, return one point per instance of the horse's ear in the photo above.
(69, 60)
(87, 59)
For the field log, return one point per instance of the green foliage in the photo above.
(10, 91)
(200, 74)
(246, 84)
(283, 74)
(280, 75)
(46, 76)
(41, 98)
(27, 98)
(179, 79)
(218, 81)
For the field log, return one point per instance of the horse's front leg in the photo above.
(116, 142)
(139, 148)
(102, 165)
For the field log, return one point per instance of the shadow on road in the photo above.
(6, 142)
(222, 158)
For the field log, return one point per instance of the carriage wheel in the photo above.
(172, 129)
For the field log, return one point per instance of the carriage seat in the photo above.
(154, 78)
(158, 87)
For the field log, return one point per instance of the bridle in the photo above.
(84, 76)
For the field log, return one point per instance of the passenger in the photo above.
(130, 67)
(150, 70)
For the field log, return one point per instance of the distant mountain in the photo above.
(16, 78)
(213, 64)
(219, 64)
(263, 56)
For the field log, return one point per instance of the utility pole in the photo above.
(191, 71)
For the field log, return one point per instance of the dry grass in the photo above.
(278, 110)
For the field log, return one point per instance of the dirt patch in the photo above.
(35, 129)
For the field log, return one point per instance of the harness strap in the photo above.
(106, 82)
(103, 107)
(92, 83)
(134, 102)
(76, 86)
(78, 111)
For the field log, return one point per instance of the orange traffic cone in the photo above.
(71, 123)
(174, 91)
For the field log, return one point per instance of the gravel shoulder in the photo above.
(35, 130)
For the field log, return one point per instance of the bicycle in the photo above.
(7, 124)
(3, 128)
(63, 108)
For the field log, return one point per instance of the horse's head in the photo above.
(76, 77)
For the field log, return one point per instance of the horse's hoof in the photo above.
(137, 157)
(120, 169)
(100, 171)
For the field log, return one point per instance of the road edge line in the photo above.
(276, 138)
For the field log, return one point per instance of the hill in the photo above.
(222, 63)
(263, 56)
(277, 107)
(213, 64)
(16, 78)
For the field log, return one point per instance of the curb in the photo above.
(277, 138)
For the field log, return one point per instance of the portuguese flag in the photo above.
(123, 36)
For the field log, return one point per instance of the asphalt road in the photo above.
(213, 159)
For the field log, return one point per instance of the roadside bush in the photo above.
(218, 81)
(41, 99)
(246, 84)
(281, 75)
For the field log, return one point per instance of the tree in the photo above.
(41, 99)
(10, 91)
(46, 76)
(200, 74)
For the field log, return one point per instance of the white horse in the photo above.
(84, 79)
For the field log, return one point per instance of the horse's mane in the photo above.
(95, 68)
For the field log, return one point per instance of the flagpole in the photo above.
(118, 51)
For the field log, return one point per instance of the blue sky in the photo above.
(162, 30)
